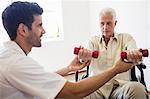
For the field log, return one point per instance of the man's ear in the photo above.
(22, 30)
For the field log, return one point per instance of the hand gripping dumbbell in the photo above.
(145, 53)
(95, 54)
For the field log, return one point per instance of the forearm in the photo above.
(63, 72)
(89, 85)
(86, 86)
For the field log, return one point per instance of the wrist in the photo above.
(69, 69)
(114, 70)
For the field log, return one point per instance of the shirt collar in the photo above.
(14, 45)
(116, 37)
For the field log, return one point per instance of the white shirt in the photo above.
(23, 78)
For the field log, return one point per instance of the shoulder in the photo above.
(12, 57)
(95, 38)
(14, 62)
(125, 35)
(25, 64)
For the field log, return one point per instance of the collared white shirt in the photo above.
(23, 78)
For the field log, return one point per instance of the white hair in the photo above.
(108, 11)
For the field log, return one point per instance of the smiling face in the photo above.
(36, 32)
(107, 25)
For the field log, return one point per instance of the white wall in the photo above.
(80, 20)
(133, 17)
(147, 60)
(56, 54)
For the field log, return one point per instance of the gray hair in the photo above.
(108, 11)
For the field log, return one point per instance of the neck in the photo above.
(26, 49)
(106, 40)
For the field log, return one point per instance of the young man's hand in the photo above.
(76, 65)
(121, 66)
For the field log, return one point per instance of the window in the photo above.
(52, 19)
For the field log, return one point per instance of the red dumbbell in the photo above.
(95, 54)
(145, 53)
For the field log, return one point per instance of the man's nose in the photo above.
(43, 31)
(105, 26)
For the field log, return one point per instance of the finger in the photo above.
(89, 55)
(135, 56)
(138, 56)
(129, 56)
(84, 54)
(81, 47)
(80, 54)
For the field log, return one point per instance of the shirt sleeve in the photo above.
(30, 78)
(92, 43)
(129, 41)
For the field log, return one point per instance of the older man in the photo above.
(110, 44)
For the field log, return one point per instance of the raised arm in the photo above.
(85, 55)
(89, 85)
(74, 66)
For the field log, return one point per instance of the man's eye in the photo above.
(102, 23)
(109, 23)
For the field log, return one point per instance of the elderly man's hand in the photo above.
(85, 55)
(134, 56)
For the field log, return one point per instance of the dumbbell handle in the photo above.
(145, 53)
(95, 54)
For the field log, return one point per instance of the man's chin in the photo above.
(38, 45)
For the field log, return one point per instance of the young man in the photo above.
(23, 78)
(110, 44)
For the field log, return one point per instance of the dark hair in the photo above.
(19, 12)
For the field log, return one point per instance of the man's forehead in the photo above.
(37, 18)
